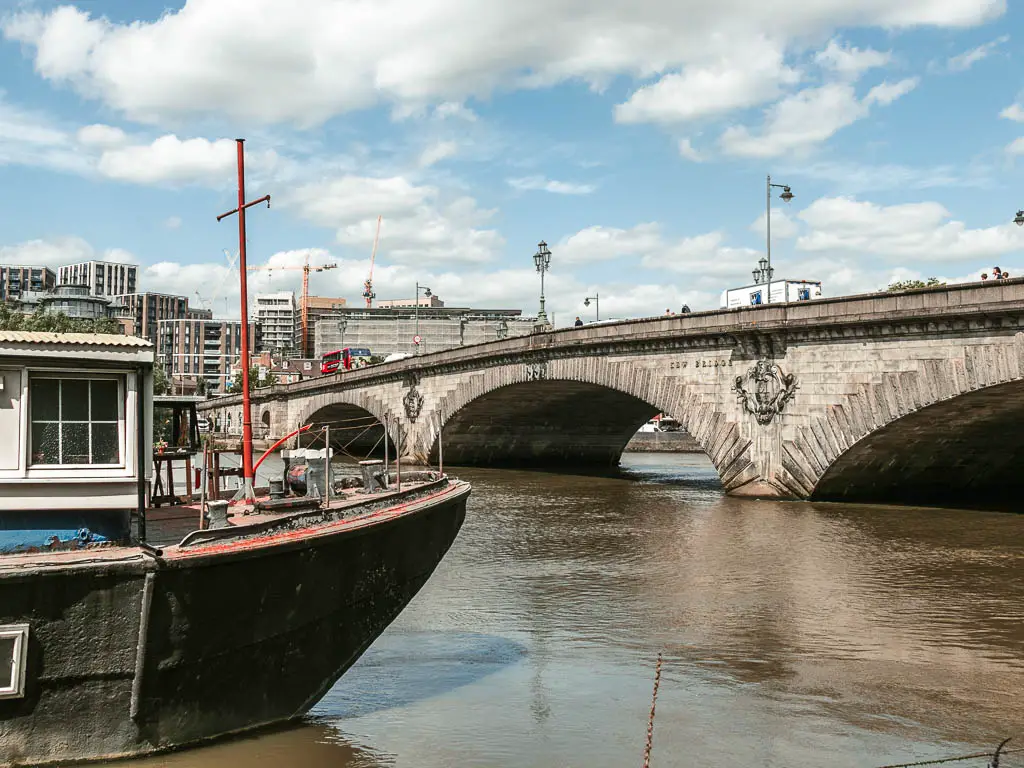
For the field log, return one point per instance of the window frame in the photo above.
(19, 660)
(122, 394)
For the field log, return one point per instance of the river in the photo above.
(794, 635)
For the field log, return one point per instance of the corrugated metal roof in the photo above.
(87, 339)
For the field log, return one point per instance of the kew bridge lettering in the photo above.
(702, 363)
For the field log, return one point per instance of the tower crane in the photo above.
(306, 269)
(368, 293)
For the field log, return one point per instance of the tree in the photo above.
(200, 386)
(906, 285)
(160, 382)
(54, 322)
(254, 380)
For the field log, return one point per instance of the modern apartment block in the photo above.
(279, 322)
(16, 280)
(104, 278)
(148, 309)
(202, 349)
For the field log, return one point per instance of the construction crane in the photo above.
(306, 269)
(368, 293)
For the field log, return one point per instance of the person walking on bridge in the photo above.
(578, 323)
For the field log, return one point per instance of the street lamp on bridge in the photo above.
(597, 303)
(416, 309)
(766, 271)
(542, 258)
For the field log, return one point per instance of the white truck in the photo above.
(782, 291)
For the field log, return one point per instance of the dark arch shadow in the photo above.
(542, 423)
(962, 452)
(353, 429)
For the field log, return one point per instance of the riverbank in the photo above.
(663, 442)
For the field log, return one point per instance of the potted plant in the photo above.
(160, 446)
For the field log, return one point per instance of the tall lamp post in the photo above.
(597, 304)
(501, 331)
(542, 258)
(416, 309)
(786, 196)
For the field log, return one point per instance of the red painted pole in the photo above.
(247, 470)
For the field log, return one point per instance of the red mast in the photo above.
(246, 492)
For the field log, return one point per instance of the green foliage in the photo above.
(254, 382)
(161, 384)
(906, 285)
(54, 322)
(201, 386)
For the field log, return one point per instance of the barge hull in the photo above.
(231, 638)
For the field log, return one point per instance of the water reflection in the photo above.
(796, 634)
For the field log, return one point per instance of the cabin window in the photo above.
(13, 654)
(76, 420)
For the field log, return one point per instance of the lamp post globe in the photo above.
(1019, 219)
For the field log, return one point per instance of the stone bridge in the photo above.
(912, 397)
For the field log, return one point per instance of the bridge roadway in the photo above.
(912, 397)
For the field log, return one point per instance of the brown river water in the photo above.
(794, 635)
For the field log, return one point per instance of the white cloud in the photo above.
(1013, 112)
(55, 252)
(530, 183)
(911, 231)
(101, 136)
(1016, 147)
(783, 227)
(599, 243)
(262, 60)
(169, 159)
(850, 61)
(967, 59)
(455, 109)
(173, 222)
(745, 77)
(886, 93)
(418, 225)
(437, 152)
(688, 151)
(808, 118)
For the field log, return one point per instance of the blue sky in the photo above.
(633, 136)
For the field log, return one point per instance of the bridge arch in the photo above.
(575, 410)
(943, 454)
(356, 420)
(944, 433)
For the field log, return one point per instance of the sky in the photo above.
(633, 136)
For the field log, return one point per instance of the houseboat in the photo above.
(112, 647)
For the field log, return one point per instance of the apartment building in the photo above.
(104, 278)
(202, 349)
(148, 309)
(276, 314)
(16, 280)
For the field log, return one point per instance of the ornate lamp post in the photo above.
(786, 196)
(542, 258)
(501, 331)
(416, 309)
(597, 303)
(764, 273)
(342, 325)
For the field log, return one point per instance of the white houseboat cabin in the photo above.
(75, 437)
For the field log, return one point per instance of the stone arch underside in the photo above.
(959, 452)
(356, 427)
(576, 410)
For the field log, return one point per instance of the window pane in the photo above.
(76, 443)
(6, 662)
(74, 400)
(104, 400)
(45, 395)
(45, 447)
(104, 444)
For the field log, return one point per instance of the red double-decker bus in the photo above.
(346, 358)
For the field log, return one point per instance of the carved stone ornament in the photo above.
(770, 392)
(536, 371)
(413, 402)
